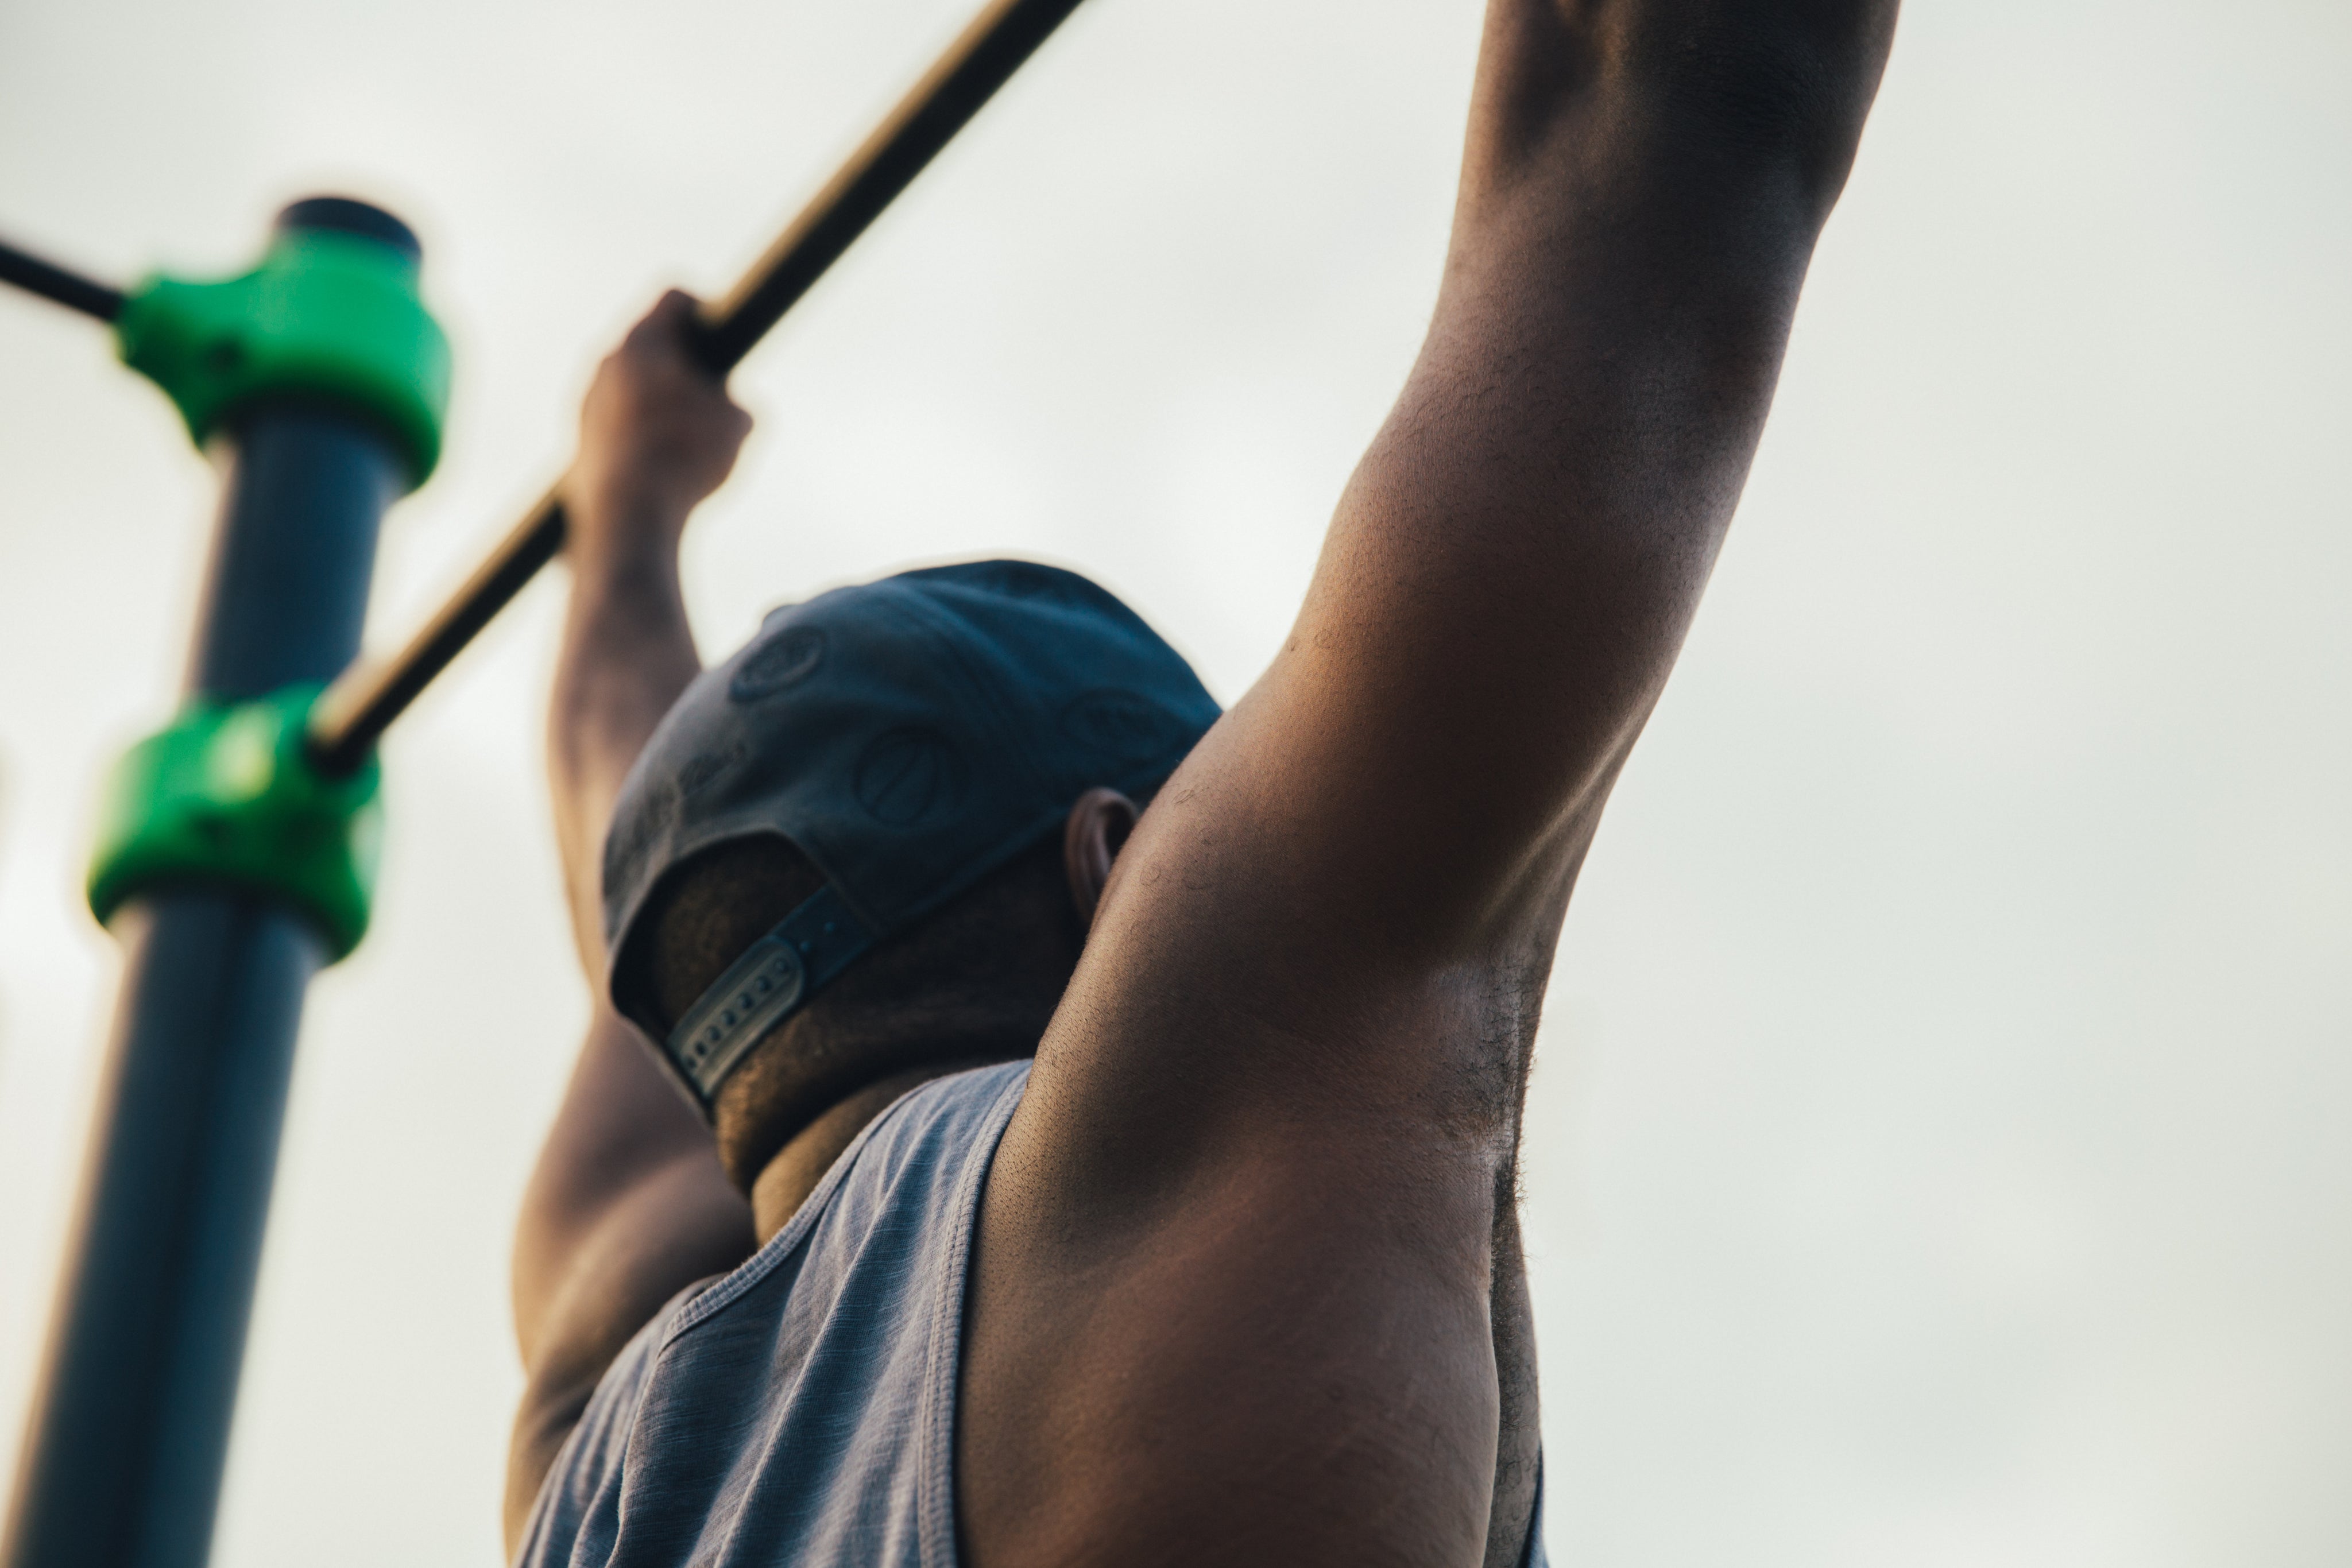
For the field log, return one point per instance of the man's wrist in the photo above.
(624, 540)
(602, 569)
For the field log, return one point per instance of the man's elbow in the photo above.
(1784, 85)
(1727, 89)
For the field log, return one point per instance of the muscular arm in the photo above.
(627, 1205)
(1243, 1252)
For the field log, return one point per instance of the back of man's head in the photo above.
(865, 803)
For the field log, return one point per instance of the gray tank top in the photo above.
(801, 1410)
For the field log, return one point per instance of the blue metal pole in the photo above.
(123, 1459)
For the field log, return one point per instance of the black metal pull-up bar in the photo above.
(54, 283)
(360, 707)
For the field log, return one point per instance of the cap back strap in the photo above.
(773, 979)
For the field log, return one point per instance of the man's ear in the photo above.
(1097, 826)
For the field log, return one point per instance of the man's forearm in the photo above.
(657, 433)
(627, 653)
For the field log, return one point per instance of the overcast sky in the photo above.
(1937, 1153)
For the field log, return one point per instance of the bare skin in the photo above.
(1246, 1284)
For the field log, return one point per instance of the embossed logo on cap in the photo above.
(910, 776)
(1122, 725)
(778, 662)
(1020, 580)
(698, 774)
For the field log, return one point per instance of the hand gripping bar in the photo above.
(357, 709)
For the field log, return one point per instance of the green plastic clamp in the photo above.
(228, 796)
(329, 315)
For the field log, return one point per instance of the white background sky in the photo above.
(1937, 1152)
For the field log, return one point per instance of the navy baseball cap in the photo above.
(908, 737)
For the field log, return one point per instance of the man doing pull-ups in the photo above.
(1033, 1120)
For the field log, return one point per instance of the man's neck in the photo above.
(792, 1172)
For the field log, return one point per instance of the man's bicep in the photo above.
(1509, 576)
(1500, 599)
(628, 1206)
(663, 1232)
(1345, 902)
(626, 1152)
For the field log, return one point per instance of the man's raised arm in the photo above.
(1265, 1158)
(627, 1205)
(1511, 572)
